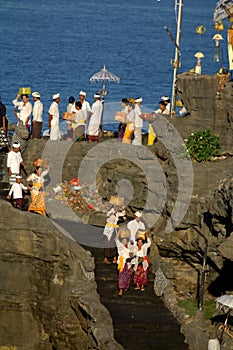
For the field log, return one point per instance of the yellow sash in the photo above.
(121, 264)
(112, 225)
(37, 184)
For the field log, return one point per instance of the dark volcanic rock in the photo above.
(48, 297)
(180, 252)
(209, 106)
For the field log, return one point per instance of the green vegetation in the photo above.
(202, 145)
(191, 307)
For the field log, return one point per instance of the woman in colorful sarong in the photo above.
(141, 263)
(129, 120)
(124, 263)
(113, 216)
(35, 184)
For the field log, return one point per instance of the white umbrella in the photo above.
(104, 76)
(225, 303)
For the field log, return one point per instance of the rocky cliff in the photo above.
(48, 297)
(187, 205)
(210, 105)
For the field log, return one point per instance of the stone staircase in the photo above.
(140, 319)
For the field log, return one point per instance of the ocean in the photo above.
(57, 46)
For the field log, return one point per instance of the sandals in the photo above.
(137, 288)
(142, 289)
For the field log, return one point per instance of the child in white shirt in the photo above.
(17, 192)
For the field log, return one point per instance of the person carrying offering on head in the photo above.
(125, 256)
(24, 110)
(141, 261)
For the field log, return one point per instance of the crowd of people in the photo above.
(131, 120)
(83, 120)
(34, 182)
(128, 247)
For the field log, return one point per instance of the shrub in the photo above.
(202, 145)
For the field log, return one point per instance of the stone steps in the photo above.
(140, 319)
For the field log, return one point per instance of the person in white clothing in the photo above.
(85, 104)
(138, 122)
(95, 119)
(162, 108)
(150, 117)
(129, 121)
(17, 192)
(134, 225)
(124, 263)
(54, 118)
(69, 123)
(37, 116)
(79, 122)
(141, 263)
(14, 160)
(167, 101)
(71, 105)
(113, 216)
(24, 110)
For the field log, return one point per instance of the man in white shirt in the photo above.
(14, 160)
(17, 191)
(95, 119)
(85, 104)
(37, 116)
(54, 118)
(134, 225)
(166, 99)
(25, 110)
(138, 122)
(162, 108)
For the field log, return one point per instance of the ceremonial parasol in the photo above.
(104, 76)
(224, 9)
(225, 303)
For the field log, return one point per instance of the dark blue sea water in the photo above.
(56, 46)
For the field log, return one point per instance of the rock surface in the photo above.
(48, 297)
(210, 107)
(156, 173)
